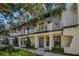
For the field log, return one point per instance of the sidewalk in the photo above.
(42, 52)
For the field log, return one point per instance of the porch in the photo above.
(47, 41)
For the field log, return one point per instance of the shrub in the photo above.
(28, 43)
(9, 51)
(32, 46)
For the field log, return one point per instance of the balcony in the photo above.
(53, 25)
(26, 31)
(42, 28)
(56, 24)
(32, 30)
(18, 33)
(12, 34)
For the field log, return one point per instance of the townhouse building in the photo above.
(50, 32)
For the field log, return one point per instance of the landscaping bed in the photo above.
(9, 51)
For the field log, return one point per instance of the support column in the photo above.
(51, 42)
(19, 42)
(36, 42)
(31, 40)
(45, 42)
(11, 41)
(24, 41)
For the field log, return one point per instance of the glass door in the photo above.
(41, 42)
(57, 41)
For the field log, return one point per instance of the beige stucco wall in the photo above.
(70, 31)
(74, 48)
(32, 39)
(65, 41)
(68, 18)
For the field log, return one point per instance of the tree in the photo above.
(29, 11)
(59, 8)
(4, 33)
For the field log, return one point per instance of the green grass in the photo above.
(9, 51)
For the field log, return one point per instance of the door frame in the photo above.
(41, 41)
(59, 41)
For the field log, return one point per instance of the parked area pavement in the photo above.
(40, 51)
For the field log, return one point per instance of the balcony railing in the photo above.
(42, 29)
(39, 30)
(56, 25)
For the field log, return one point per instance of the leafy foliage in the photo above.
(3, 31)
(29, 11)
(9, 51)
(28, 43)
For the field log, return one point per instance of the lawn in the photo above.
(9, 51)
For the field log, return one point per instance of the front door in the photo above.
(57, 41)
(41, 42)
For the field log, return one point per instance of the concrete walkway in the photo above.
(42, 52)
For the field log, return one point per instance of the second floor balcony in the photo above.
(42, 27)
(56, 24)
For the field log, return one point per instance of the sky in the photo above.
(2, 19)
(5, 21)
